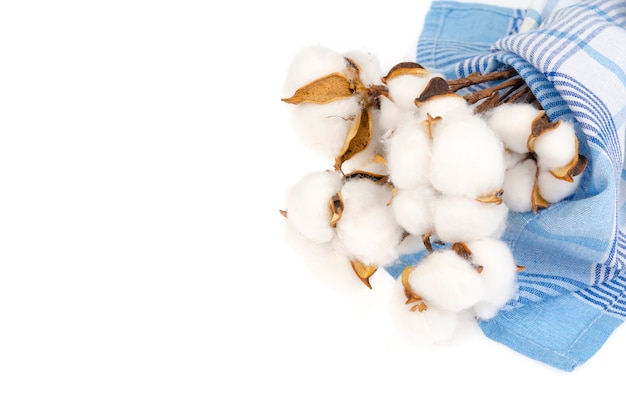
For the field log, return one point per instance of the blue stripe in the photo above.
(591, 52)
(607, 14)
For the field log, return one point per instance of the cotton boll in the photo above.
(518, 186)
(512, 123)
(462, 219)
(367, 228)
(467, 158)
(414, 208)
(309, 64)
(308, 205)
(323, 128)
(556, 148)
(512, 158)
(403, 89)
(553, 189)
(408, 154)
(429, 327)
(446, 280)
(444, 106)
(499, 274)
(369, 66)
(391, 116)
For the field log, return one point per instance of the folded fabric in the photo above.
(572, 294)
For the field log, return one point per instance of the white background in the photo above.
(144, 155)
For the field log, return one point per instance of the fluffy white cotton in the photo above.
(324, 262)
(323, 128)
(511, 158)
(412, 244)
(498, 273)
(308, 205)
(518, 186)
(403, 89)
(512, 123)
(432, 326)
(462, 219)
(391, 116)
(408, 154)
(553, 189)
(369, 66)
(367, 229)
(447, 281)
(467, 158)
(310, 64)
(414, 208)
(557, 147)
(445, 106)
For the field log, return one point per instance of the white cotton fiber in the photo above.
(462, 219)
(407, 151)
(367, 229)
(557, 147)
(447, 281)
(518, 186)
(553, 189)
(511, 158)
(308, 205)
(369, 66)
(323, 128)
(324, 262)
(390, 115)
(445, 106)
(414, 208)
(403, 89)
(498, 273)
(512, 123)
(309, 64)
(429, 327)
(467, 158)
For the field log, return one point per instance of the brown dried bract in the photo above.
(536, 199)
(437, 87)
(539, 125)
(358, 138)
(426, 241)
(336, 209)
(283, 213)
(405, 68)
(493, 198)
(566, 172)
(462, 250)
(411, 297)
(580, 166)
(326, 89)
(465, 253)
(379, 159)
(363, 271)
(377, 178)
(429, 122)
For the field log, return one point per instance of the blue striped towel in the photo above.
(572, 294)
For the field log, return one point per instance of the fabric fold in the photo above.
(572, 294)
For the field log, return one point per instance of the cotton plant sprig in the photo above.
(544, 163)
(414, 159)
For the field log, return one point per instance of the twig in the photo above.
(476, 78)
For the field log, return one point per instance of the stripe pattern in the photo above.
(570, 53)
